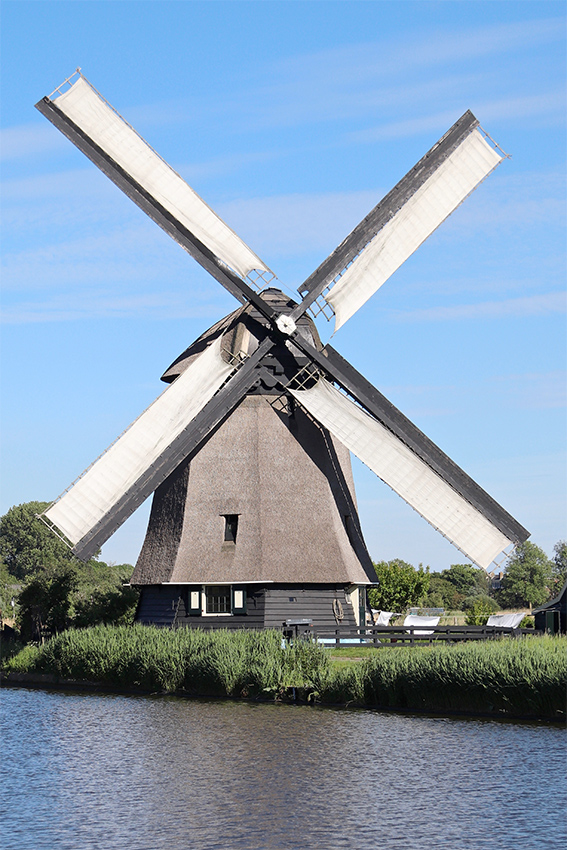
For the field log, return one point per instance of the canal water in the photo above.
(82, 771)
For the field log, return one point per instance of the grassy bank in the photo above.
(520, 677)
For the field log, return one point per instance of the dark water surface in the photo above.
(82, 771)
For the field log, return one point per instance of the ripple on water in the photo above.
(102, 771)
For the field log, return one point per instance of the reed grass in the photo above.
(526, 677)
(211, 663)
(522, 677)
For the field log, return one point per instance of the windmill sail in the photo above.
(406, 473)
(404, 219)
(94, 495)
(154, 181)
(178, 423)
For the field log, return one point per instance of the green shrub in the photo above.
(479, 609)
(490, 603)
(527, 623)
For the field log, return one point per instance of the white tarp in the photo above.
(382, 618)
(510, 621)
(109, 131)
(405, 473)
(417, 620)
(427, 208)
(94, 494)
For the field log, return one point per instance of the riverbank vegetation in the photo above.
(508, 677)
(45, 589)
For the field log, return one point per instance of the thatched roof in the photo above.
(290, 485)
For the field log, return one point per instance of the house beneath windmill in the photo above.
(259, 528)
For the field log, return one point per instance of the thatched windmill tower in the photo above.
(254, 517)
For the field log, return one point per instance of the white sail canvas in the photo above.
(403, 471)
(94, 494)
(448, 186)
(84, 106)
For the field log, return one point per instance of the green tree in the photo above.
(45, 602)
(559, 568)
(479, 608)
(442, 594)
(103, 595)
(451, 587)
(400, 585)
(466, 579)
(59, 590)
(9, 589)
(527, 579)
(26, 543)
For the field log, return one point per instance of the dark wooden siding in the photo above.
(158, 605)
(167, 605)
(308, 601)
(266, 607)
(252, 619)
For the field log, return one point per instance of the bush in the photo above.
(527, 623)
(479, 609)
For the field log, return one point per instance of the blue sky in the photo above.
(291, 120)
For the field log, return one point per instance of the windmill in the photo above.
(254, 519)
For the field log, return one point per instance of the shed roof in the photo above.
(559, 602)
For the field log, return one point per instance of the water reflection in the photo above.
(99, 771)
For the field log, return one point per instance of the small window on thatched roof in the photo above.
(230, 528)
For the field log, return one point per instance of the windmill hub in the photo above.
(286, 325)
(243, 331)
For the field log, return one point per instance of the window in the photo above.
(230, 528)
(217, 599)
(238, 600)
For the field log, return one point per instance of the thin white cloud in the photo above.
(356, 79)
(422, 49)
(534, 305)
(80, 244)
(106, 304)
(29, 140)
(551, 104)
(294, 225)
(534, 390)
(124, 255)
(512, 207)
(543, 103)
